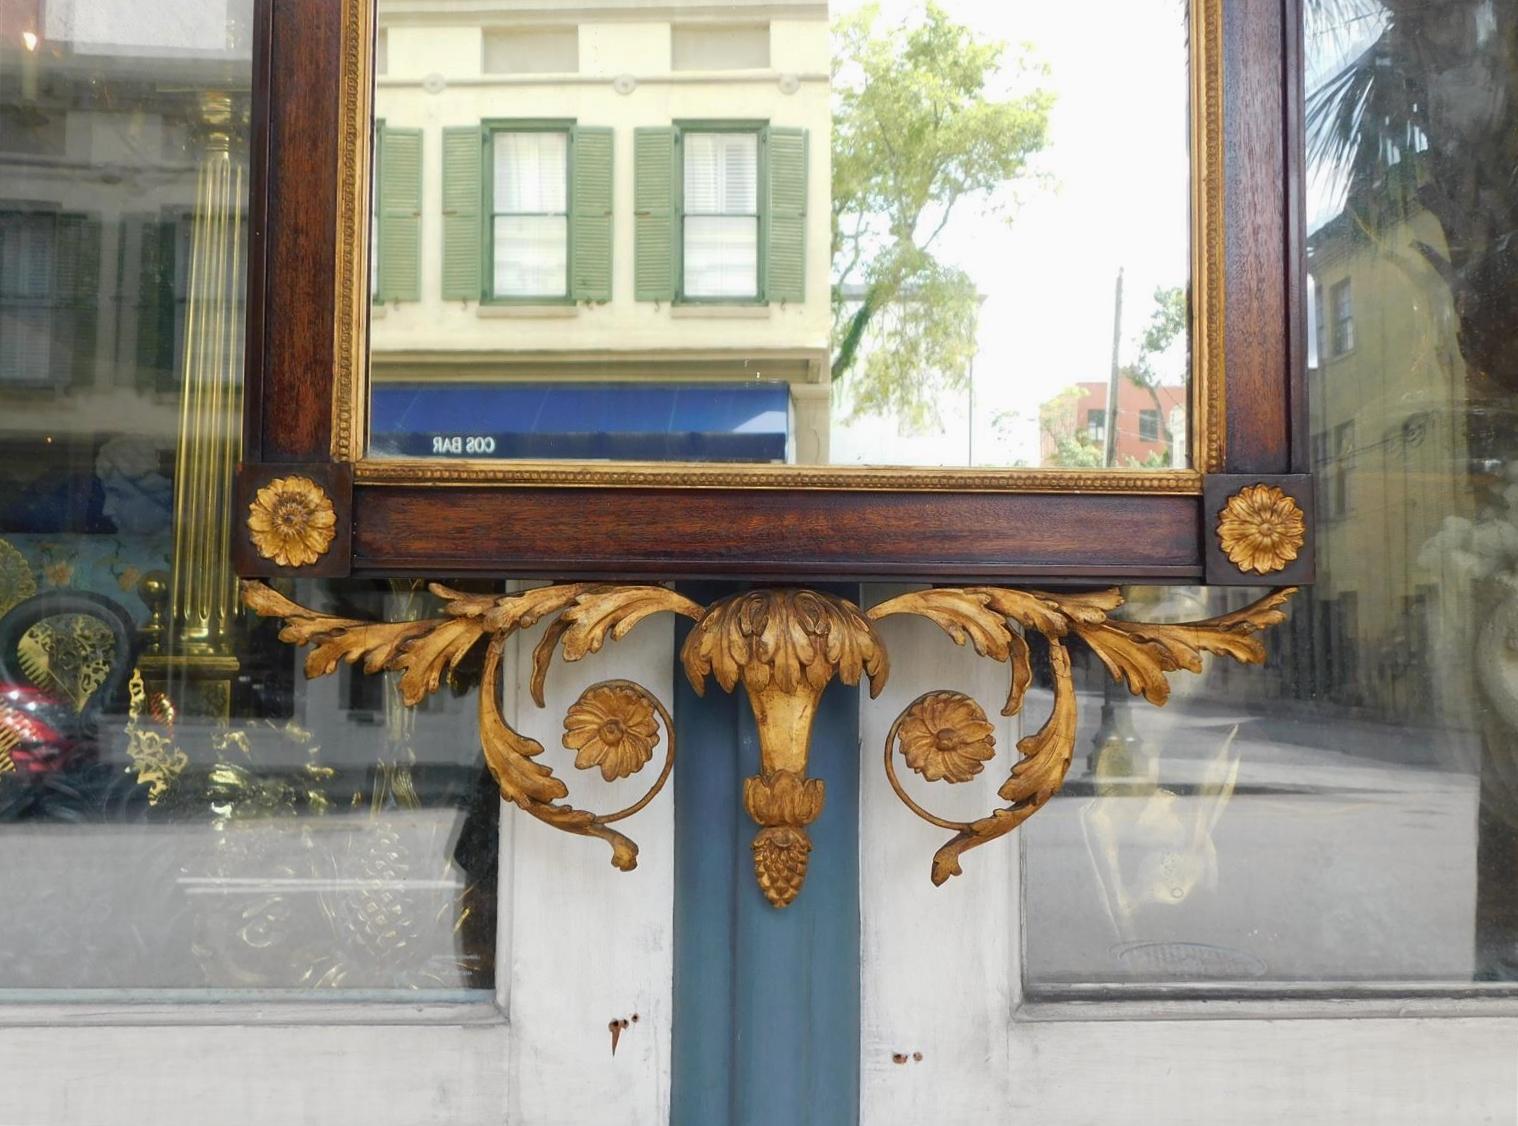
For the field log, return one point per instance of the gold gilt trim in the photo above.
(995, 622)
(649, 474)
(351, 359)
(291, 521)
(1209, 400)
(10, 739)
(784, 646)
(1261, 529)
(427, 651)
(355, 132)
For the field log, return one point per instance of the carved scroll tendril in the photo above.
(425, 652)
(1137, 654)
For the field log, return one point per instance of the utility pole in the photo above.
(1109, 426)
(970, 410)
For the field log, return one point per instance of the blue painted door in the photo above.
(766, 1001)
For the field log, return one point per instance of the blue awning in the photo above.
(582, 421)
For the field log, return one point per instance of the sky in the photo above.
(1117, 196)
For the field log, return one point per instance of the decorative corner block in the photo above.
(292, 520)
(1259, 529)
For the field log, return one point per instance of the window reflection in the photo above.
(178, 808)
(902, 216)
(1349, 815)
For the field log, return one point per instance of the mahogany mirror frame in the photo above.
(306, 384)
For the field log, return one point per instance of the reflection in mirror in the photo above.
(1349, 814)
(853, 234)
(181, 814)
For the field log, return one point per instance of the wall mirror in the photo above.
(615, 235)
(618, 288)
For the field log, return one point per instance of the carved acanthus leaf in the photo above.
(427, 658)
(783, 798)
(509, 754)
(527, 609)
(964, 614)
(424, 651)
(615, 611)
(596, 613)
(1046, 753)
(985, 617)
(334, 639)
(1141, 654)
(784, 638)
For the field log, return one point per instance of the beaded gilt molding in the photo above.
(784, 646)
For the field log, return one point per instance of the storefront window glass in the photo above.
(1347, 816)
(180, 810)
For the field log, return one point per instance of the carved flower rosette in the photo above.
(1261, 529)
(291, 521)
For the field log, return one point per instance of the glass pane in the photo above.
(530, 170)
(721, 173)
(863, 234)
(531, 256)
(721, 256)
(181, 812)
(1348, 816)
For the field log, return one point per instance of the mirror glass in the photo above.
(889, 234)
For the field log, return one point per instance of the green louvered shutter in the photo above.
(785, 218)
(463, 191)
(76, 295)
(654, 214)
(590, 213)
(399, 246)
(155, 304)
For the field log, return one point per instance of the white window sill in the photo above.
(720, 312)
(526, 312)
(378, 309)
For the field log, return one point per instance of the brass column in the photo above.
(191, 653)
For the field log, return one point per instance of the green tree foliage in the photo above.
(1168, 321)
(926, 118)
(1061, 426)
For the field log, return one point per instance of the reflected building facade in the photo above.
(640, 206)
(1151, 423)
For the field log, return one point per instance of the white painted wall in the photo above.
(590, 944)
(936, 962)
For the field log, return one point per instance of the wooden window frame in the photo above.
(307, 355)
(489, 129)
(1342, 321)
(756, 129)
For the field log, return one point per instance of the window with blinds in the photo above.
(49, 285)
(26, 297)
(530, 214)
(720, 248)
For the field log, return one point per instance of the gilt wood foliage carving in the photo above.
(784, 646)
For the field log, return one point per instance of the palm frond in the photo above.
(1367, 117)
